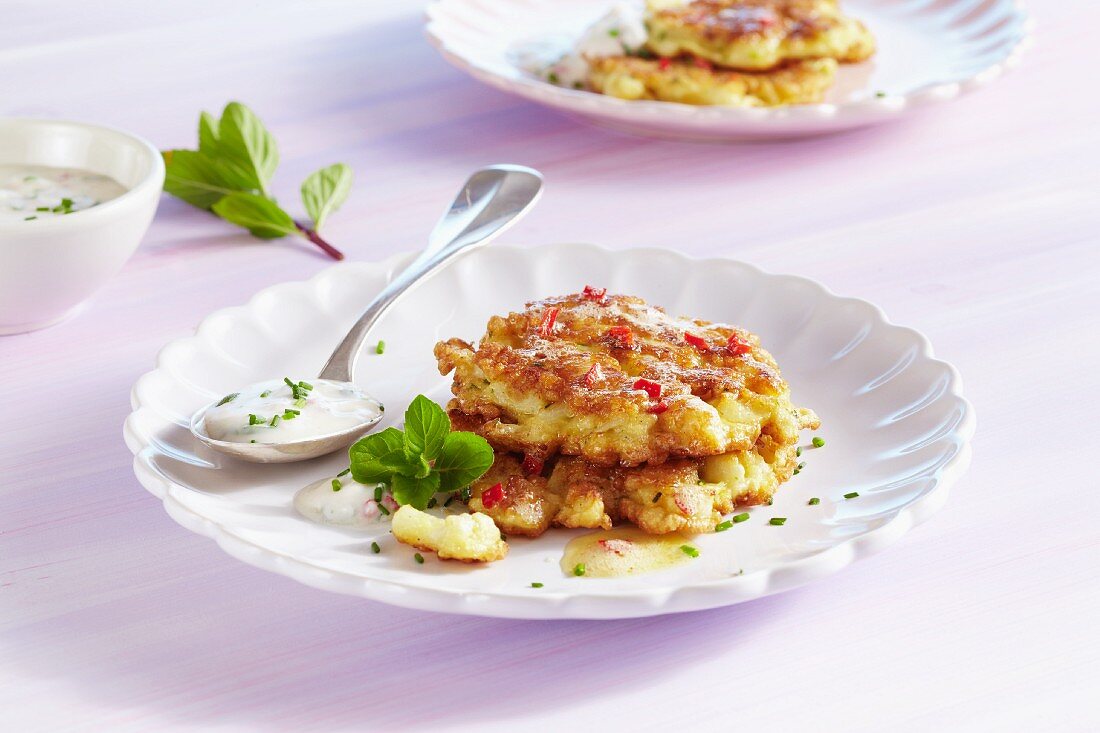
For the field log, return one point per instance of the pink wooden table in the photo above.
(977, 223)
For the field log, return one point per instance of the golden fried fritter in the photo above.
(689, 82)
(756, 34)
(616, 382)
(681, 495)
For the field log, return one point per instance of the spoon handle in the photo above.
(491, 200)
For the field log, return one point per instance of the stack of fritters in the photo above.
(602, 408)
(742, 53)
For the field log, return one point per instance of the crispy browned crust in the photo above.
(757, 34)
(529, 390)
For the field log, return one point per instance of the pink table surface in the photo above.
(976, 223)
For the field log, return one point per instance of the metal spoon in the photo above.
(492, 199)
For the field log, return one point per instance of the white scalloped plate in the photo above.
(928, 51)
(896, 425)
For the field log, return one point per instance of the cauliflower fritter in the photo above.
(682, 495)
(616, 381)
(688, 82)
(463, 537)
(756, 34)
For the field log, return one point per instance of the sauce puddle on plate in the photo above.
(624, 551)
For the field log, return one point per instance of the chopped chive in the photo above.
(449, 500)
(578, 85)
(656, 497)
(252, 441)
(419, 558)
(29, 218)
(255, 420)
(536, 585)
(771, 501)
(336, 485)
(431, 503)
(292, 412)
(464, 494)
(851, 495)
(274, 420)
(723, 526)
(800, 466)
(579, 569)
(300, 402)
(43, 208)
(553, 79)
(880, 95)
(384, 510)
(380, 348)
(345, 472)
(614, 33)
(777, 521)
(305, 385)
(290, 415)
(814, 501)
(742, 517)
(265, 393)
(375, 548)
(798, 452)
(228, 398)
(689, 550)
(286, 380)
(818, 442)
(378, 493)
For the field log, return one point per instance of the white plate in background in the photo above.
(928, 51)
(895, 422)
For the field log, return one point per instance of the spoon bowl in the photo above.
(287, 452)
(490, 201)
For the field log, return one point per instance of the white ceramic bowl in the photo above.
(50, 266)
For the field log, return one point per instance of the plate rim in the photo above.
(557, 605)
(862, 112)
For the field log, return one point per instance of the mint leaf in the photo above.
(426, 426)
(244, 141)
(464, 459)
(208, 134)
(191, 176)
(378, 457)
(415, 491)
(324, 191)
(261, 216)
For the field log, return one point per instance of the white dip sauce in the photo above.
(276, 412)
(352, 504)
(620, 32)
(36, 192)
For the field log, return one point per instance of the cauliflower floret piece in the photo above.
(464, 537)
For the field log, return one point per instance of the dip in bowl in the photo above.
(75, 201)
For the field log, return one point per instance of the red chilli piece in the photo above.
(703, 63)
(622, 335)
(594, 375)
(549, 317)
(658, 407)
(532, 466)
(492, 496)
(697, 341)
(736, 346)
(664, 62)
(597, 294)
(650, 388)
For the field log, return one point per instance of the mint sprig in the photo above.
(230, 176)
(422, 460)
